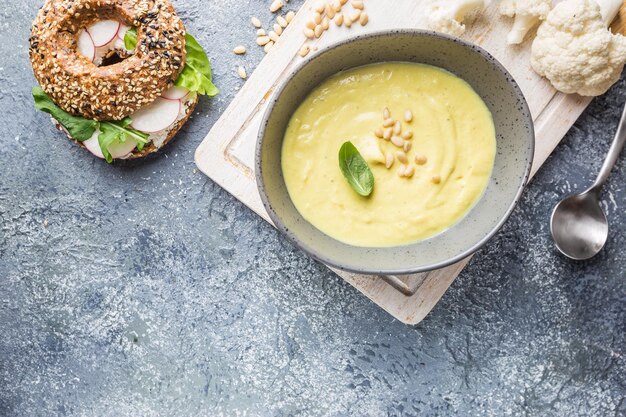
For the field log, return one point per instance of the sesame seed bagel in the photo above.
(111, 92)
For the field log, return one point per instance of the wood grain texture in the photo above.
(227, 153)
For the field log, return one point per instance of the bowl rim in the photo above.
(277, 221)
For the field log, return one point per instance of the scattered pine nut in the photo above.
(420, 159)
(363, 19)
(407, 146)
(317, 18)
(240, 50)
(330, 11)
(379, 133)
(397, 128)
(409, 171)
(310, 24)
(273, 36)
(309, 33)
(355, 15)
(408, 116)
(397, 141)
(268, 46)
(357, 4)
(276, 6)
(278, 29)
(337, 6)
(407, 135)
(388, 134)
(241, 71)
(320, 8)
(401, 171)
(289, 16)
(304, 51)
(325, 23)
(339, 19)
(260, 32)
(347, 21)
(436, 179)
(402, 157)
(256, 22)
(343, 2)
(386, 113)
(390, 160)
(318, 31)
(263, 40)
(281, 21)
(388, 122)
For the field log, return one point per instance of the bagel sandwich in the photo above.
(119, 77)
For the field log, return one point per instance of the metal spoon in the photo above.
(578, 224)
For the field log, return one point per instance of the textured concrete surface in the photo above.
(144, 289)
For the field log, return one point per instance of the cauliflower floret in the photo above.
(527, 14)
(575, 51)
(447, 15)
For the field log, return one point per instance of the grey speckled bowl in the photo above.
(515, 148)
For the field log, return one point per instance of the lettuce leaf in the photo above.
(79, 128)
(130, 39)
(118, 132)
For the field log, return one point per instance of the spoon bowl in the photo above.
(579, 226)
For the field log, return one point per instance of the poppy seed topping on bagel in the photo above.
(120, 77)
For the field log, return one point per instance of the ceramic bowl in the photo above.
(515, 149)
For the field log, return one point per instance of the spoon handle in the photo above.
(611, 158)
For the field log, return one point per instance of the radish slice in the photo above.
(86, 46)
(103, 32)
(121, 150)
(175, 93)
(159, 115)
(93, 145)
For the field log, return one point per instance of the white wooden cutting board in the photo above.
(227, 153)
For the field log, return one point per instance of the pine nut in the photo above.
(355, 15)
(309, 33)
(260, 32)
(317, 18)
(337, 6)
(320, 8)
(401, 171)
(256, 22)
(357, 4)
(276, 6)
(408, 116)
(420, 159)
(397, 141)
(388, 134)
(318, 31)
(339, 19)
(289, 16)
(281, 21)
(268, 46)
(409, 171)
(278, 29)
(240, 50)
(304, 51)
(406, 146)
(407, 135)
(390, 160)
(347, 21)
(386, 113)
(379, 133)
(330, 12)
(241, 71)
(262, 40)
(325, 23)
(436, 179)
(343, 2)
(397, 128)
(402, 157)
(388, 122)
(273, 36)
(364, 19)
(310, 24)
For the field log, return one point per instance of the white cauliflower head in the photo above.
(447, 15)
(576, 52)
(527, 14)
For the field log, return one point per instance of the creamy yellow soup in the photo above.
(452, 152)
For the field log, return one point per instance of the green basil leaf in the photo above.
(196, 75)
(79, 128)
(118, 132)
(356, 170)
(130, 39)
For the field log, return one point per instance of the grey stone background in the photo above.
(151, 291)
